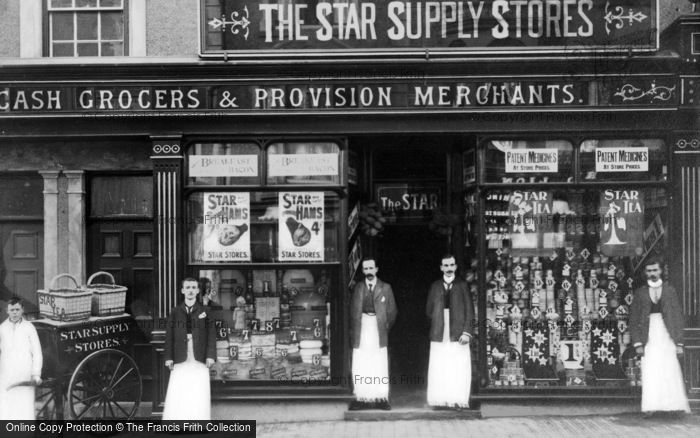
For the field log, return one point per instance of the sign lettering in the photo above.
(449, 26)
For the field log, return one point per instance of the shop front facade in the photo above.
(268, 172)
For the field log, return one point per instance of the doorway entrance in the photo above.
(410, 257)
(409, 180)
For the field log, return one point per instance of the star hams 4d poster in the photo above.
(301, 237)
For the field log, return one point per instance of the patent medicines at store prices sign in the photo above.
(350, 27)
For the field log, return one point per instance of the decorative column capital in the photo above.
(76, 181)
(166, 146)
(687, 142)
(50, 181)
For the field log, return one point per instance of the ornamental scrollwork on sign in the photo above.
(238, 23)
(631, 92)
(618, 17)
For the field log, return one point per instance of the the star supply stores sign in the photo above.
(354, 27)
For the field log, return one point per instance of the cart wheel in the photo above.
(48, 400)
(106, 384)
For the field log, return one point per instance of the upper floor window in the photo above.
(87, 27)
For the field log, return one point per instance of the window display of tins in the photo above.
(561, 262)
(282, 337)
(567, 262)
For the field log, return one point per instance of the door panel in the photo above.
(22, 264)
(123, 248)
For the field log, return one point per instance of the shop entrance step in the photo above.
(398, 414)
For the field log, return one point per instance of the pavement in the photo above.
(624, 425)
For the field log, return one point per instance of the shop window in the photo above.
(267, 255)
(224, 164)
(528, 161)
(561, 265)
(624, 160)
(86, 27)
(272, 324)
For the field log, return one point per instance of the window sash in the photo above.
(76, 41)
(120, 7)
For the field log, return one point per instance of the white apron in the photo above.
(189, 395)
(449, 371)
(370, 364)
(20, 357)
(662, 380)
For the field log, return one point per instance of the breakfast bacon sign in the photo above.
(494, 25)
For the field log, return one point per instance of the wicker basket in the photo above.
(64, 304)
(107, 299)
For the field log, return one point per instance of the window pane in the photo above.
(87, 49)
(21, 196)
(221, 232)
(624, 160)
(61, 3)
(112, 26)
(62, 26)
(63, 49)
(514, 161)
(85, 3)
(87, 26)
(560, 259)
(303, 163)
(263, 317)
(112, 49)
(110, 3)
(223, 164)
(120, 196)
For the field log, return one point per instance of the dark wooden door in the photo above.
(21, 239)
(121, 242)
(124, 248)
(22, 270)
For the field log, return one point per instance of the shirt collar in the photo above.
(658, 283)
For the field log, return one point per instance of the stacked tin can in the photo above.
(285, 313)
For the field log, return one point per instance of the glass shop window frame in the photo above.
(481, 188)
(264, 184)
(50, 11)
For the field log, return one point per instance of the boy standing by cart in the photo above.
(20, 364)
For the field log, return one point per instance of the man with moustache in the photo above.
(656, 329)
(372, 314)
(451, 314)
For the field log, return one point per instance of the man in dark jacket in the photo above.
(190, 349)
(451, 313)
(656, 330)
(372, 314)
